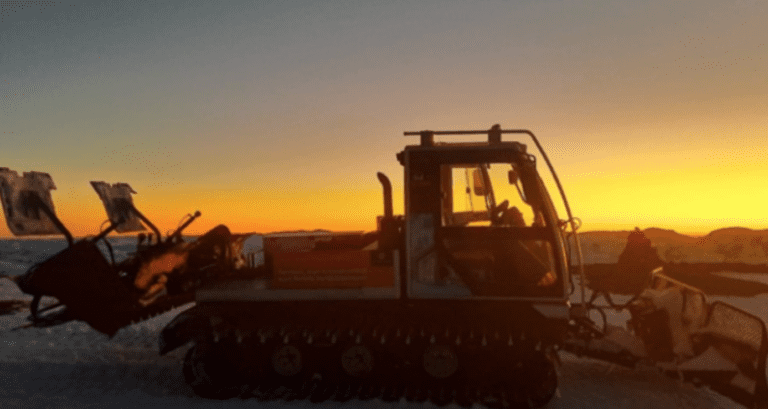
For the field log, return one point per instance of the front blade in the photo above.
(23, 215)
(118, 204)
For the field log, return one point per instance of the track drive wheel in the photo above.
(290, 365)
(360, 367)
(209, 374)
(440, 362)
(535, 382)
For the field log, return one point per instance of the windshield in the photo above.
(491, 195)
(494, 232)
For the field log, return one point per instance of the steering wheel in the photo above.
(497, 212)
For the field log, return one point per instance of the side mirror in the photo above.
(478, 183)
(512, 175)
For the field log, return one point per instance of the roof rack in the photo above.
(494, 134)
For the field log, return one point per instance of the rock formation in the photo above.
(637, 260)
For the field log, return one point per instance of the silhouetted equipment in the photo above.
(93, 288)
(453, 301)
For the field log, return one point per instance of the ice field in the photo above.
(72, 365)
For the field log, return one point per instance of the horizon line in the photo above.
(696, 234)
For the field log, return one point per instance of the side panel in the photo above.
(330, 269)
(310, 276)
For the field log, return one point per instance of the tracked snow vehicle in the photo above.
(465, 297)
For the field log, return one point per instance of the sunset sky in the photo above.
(276, 115)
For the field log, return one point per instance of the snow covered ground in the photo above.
(73, 366)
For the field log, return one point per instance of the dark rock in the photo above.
(637, 261)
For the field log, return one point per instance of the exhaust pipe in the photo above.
(388, 239)
(387, 186)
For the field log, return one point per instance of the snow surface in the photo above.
(74, 366)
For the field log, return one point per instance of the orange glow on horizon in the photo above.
(664, 203)
(611, 184)
(241, 211)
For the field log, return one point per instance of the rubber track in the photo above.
(496, 365)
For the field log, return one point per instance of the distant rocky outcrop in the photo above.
(628, 271)
(639, 250)
(637, 260)
(735, 244)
